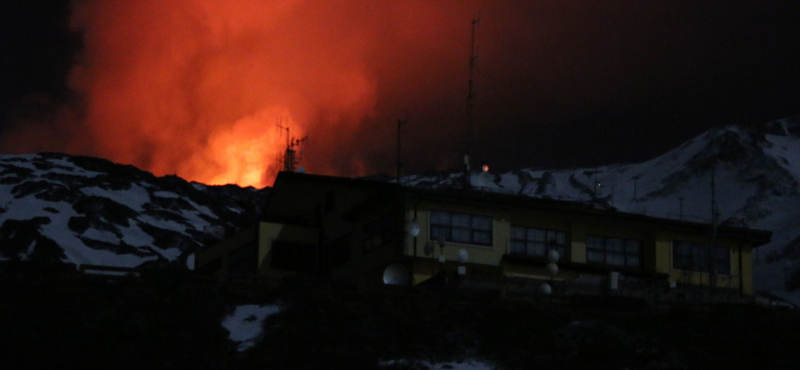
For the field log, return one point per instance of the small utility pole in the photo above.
(400, 122)
(712, 274)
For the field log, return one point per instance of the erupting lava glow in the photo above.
(197, 87)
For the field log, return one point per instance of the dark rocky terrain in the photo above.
(83, 210)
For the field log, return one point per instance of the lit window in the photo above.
(537, 242)
(613, 251)
(461, 228)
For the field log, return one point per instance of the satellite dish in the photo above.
(396, 274)
(428, 248)
(463, 256)
(413, 228)
(301, 169)
(553, 256)
(552, 268)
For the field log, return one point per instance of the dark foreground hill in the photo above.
(171, 319)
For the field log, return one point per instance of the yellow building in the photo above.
(356, 228)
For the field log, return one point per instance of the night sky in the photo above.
(188, 87)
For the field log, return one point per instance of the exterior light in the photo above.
(413, 228)
(545, 289)
(485, 167)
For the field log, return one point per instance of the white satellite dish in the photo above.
(463, 256)
(396, 274)
(552, 268)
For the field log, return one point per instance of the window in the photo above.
(461, 228)
(699, 257)
(613, 251)
(537, 242)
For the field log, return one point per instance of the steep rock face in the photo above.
(756, 177)
(84, 210)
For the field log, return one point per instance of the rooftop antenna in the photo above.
(471, 131)
(290, 159)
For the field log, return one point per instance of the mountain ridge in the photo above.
(61, 208)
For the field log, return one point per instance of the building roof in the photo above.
(287, 180)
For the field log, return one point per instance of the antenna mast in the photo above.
(471, 131)
(290, 159)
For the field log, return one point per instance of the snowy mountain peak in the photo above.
(755, 172)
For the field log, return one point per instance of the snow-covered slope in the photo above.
(83, 210)
(755, 170)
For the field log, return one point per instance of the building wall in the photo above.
(657, 245)
(269, 232)
(335, 215)
(740, 276)
(478, 254)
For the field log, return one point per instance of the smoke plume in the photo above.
(201, 88)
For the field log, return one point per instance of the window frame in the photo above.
(623, 251)
(698, 256)
(465, 225)
(562, 248)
